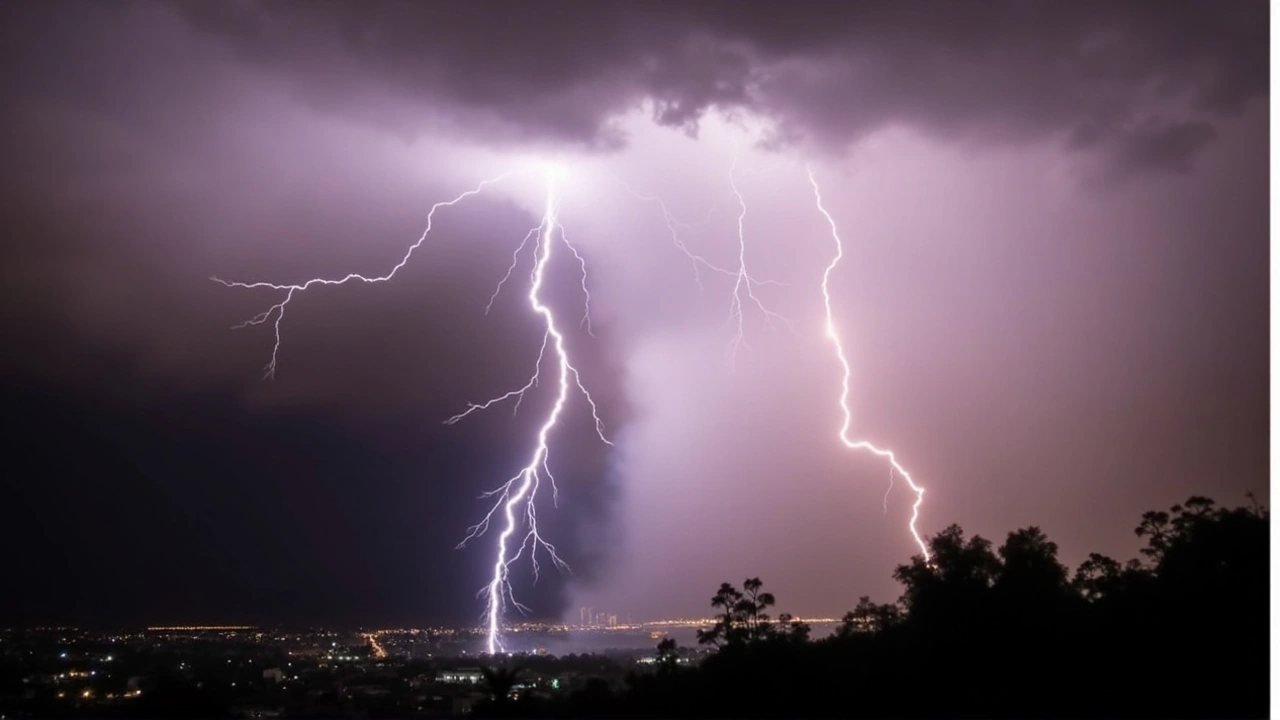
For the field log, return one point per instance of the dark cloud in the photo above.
(831, 72)
(1153, 143)
(168, 508)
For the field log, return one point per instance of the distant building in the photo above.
(469, 676)
(273, 674)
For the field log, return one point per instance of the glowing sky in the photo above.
(1053, 298)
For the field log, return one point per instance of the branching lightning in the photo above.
(834, 335)
(515, 499)
(277, 310)
(517, 494)
(743, 284)
(675, 226)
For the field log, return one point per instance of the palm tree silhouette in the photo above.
(500, 682)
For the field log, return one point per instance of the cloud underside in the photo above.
(1141, 82)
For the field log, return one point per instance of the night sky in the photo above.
(1054, 295)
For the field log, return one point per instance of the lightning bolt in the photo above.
(515, 499)
(277, 310)
(675, 226)
(834, 335)
(516, 496)
(744, 283)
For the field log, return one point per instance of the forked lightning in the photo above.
(833, 334)
(515, 500)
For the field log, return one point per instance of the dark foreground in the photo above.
(979, 632)
(988, 632)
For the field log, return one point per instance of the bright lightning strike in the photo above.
(834, 335)
(516, 497)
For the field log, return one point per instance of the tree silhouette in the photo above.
(742, 618)
(868, 617)
(1156, 529)
(751, 610)
(1007, 632)
(499, 682)
(725, 629)
(793, 629)
(1030, 565)
(954, 587)
(668, 655)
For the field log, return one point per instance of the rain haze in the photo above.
(1053, 295)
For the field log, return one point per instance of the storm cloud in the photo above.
(1036, 351)
(1144, 81)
